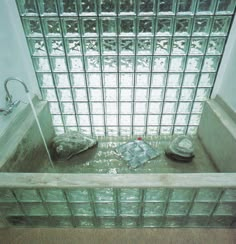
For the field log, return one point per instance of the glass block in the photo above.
(103, 194)
(129, 209)
(180, 46)
(156, 94)
(181, 119)
(110, 63)
(154, 208)
(51, 27)
(88, 7)
(27, 195)
(105, 209)
(41, 64)
(153, 120)
(126, 63)
(62, 80)
(98, 120)
(187, 94)
(109, 26)
(58, 209)
(111, 108)
(126, 80)
(55, 46)
(6, 196)
(176, 208)
(197, 46)
(59, 64)
(91, 46)
(180, 130)
(75, 64)
(144, 46)
(45, 80)
(112, 131)
(143, 63)
(167, 119)
(53, 195)
(197, 107)
(152, 222)
(125, 131)
(183, 26)
(90, 27)
(221, 25)
(109, 46)
(202, 94)
(174, 221)
(182, 195)
(127, 6)
(108, 7)
(197, 221)
(37, 47)
(225, 7)
(221, 221)
(186, 7)
(70, 27)
(127, 45)
(48, 7)
(110, 80)
(174, 79)
(84, 120)
(208, 195)
(70, 120)
(229, 195)
(145, 26)
(77, 195)
(81, 209)
(146, 7)
(166, 7)
(59, 130)
(93, 63)
(34, 209)
(142, 80)
(110, 95)
(97, 108)
(129, 222)
(32, 27)
(68, 7)
(84, 222)
(192, 130)
(128, 195)
(176, 64)
(162, 46)
(202, 208)
(158, 80)
(126, 94)
(139, 120)
(82, 108)
(190, 79)
(194, 64)
(65, 94)
(125, 108)
(107, 222)
(111, 120)
(166, 130)
(210, 63)
(201, 26)
(10, 209)
(49, 94)
(195, 119)
(141, 94)
(215, 45)
(27, 7)
(80, 94)
(164, 26)
(169, 107)
(205, 7)
(172, 94)
(160, 63)
(73, 46)
(140, 108)
(127, 26)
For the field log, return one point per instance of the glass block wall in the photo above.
(128, 67)
(118, 207)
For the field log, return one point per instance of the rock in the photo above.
(67, 145)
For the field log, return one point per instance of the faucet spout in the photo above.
(9, 97)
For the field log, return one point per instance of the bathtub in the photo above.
(116, 199)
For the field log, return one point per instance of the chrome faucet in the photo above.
(10, 104)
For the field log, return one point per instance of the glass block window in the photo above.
(126, 67)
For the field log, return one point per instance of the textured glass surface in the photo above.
(153, 63)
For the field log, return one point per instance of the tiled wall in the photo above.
(126, 67)
(118, 207)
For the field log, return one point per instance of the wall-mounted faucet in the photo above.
(10, 104)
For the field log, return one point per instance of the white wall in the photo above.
(225, 85)
(14, 55)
